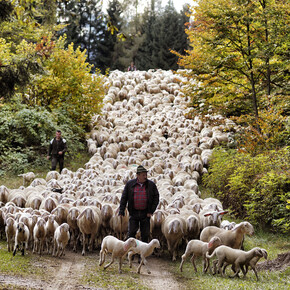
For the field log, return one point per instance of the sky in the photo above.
(178, 4)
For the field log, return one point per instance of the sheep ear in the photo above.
(208, 214)
(223, 212)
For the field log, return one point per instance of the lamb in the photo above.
(232, 238)
(199, 248)
(21, 238)
(61, 238)
(254, 261)
(235, 257)
(118, 249)
(144, 250)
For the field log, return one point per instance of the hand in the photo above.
(47, 157)
(60, 153)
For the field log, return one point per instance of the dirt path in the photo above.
(160, 278)
(65, 273)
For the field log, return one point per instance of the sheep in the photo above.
(237, 258)
(50, 227)
(210, 217)
(2, 223)
(49, 204)
(21, 238)
(199, 248)
(18, 198)
(144, 250)
(27, 177)
(252, 263)
(89, 222)
(4, 192)
(72, 216)
(39, 235)
(119, 224)
(61, 238)
(227, 225)
(107, 212)
(10, 230)
(61, 212)
(117, 248)
(232, 238)
(173, 229)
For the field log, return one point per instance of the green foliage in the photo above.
(25, 131)
(255, 188)
(273, 127)
(163, 32)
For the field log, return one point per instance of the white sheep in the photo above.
(252, 263)
(21, 238)
(117, 248)
(72, 222)
(199, 248)
(39, 235)
(10, 230)
(173, 229)
(50, 227)
(61, 238)
(27, 177)
(89, 221)
(144, 250)
(237, 258)
(232, 238)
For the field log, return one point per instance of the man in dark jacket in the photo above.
(142, 197)
(56, 150)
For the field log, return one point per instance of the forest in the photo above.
(55, 56)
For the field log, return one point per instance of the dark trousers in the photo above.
(57, 159)
(139, 220)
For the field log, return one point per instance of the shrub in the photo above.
(25, 134)
(253, 188)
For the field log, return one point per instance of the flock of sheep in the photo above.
(142, 122)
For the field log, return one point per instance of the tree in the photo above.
(163, 31)
(85, 26)
(108, 46)
(19, 28)
(235, 53)
(67, 84)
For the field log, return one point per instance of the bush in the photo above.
(25, 134)
(253, 188)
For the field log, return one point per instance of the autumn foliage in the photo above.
(67, 83)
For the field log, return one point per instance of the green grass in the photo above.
(18, 265)
(72, 163)
(110, 278)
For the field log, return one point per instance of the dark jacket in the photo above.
(128, 197)
(55, 147)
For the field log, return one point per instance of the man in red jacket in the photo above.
(142, 197)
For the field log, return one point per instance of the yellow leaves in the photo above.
(68, 84)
